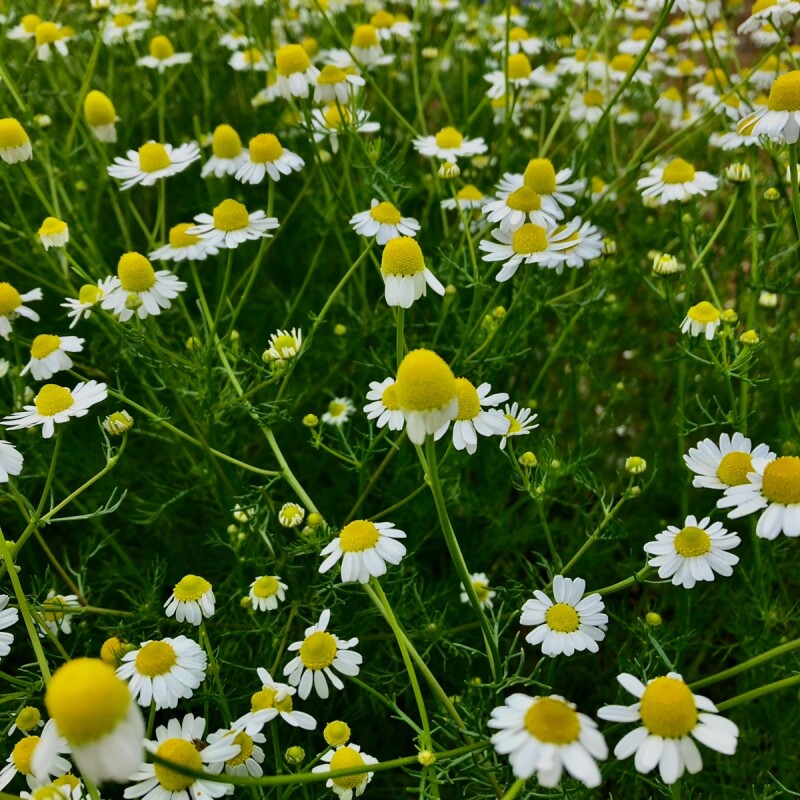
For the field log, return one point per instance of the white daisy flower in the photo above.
(477, 414)
(10, 462)
(191, 600)
(366, 47)
(512, 210)
(387, 25)
(55, 616)
(778, 13)
(53, 233)
(529, 244)
(20, 760)
(291, 515)
(546, 735)
(25, 28)
(521, 421)
(249, 59)
(231, 224)
(467, 198)
(51, 36)
(163, 55)
(296, 73)
(164, 671)
(183, 246)
(693, 553)
(541, 176)
(779, 119)
(49, 355)
(248, 761)
(123, 27)
(383, 222)
(346, 757)
(520, 74)
(88, 297)
(340, 409)
(151, 162)
(334, 85)
(621, 64)
(594, 65)
(773, 485)
(266, 156)
(234, 40)
(672, 717)
(332, 121)
(571, 624)
(364, 548)
(587, 107)
(702, 318)
(319, 654)
(637, 41)
(15, 145)
(519, 41)
(266, 591)
(12, 305)
(139, 289)
(480, 583)
(405, 276)
(718, 466)
(8, 617)
(271, 701)
(449, 145)
(678, 180)
(284, 345)
(176, 742)
(54, 405)
(384, 406)
(583, 243)
(227, 153)
(101, 116)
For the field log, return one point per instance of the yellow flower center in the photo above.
(135, 273)
(179, 751)
(514, 425)
(112, 651)
(382, 19)
(290, 59)
(678, 171)
(598, 184)
(785, 92)
(530, 238)
(52, 400)
(156, 658)
(335, 117)
(153, 157)
(318, 650)
(622, 62)
(266, 586)
(540, 175)
(389, 398)
(47, 33)
(28, 719)
(30, 22)
(692, 542)
(87, 700)
(331, 74)
(23, 752)
(226, 142)
(470, 192)
(562, 618)
(469, 404)
(668, 709)
(44, 344)
(358, 536)
(524, 199)
(336, 409)
(365, 36)
(179, 238)
(252, 55)
(245, 743)
(481, 590)
(336, 733)
(449, 139)
(345, 758)
(99, 110)
(265, 148)
(734, 467)
(552, 721)
(519, 66)
(89, 294)
(781, 482)
(593, 98)
(285, 342)
(161, 48)
(230, 216)
(191, 588)
(265, 699)
(402, 256)
(703, 312)
(123, 20)
(67, 779)
(641, 34)
(52, 227)
(672, 94)
(385, 213)
(12, 134)
(10, 299)
(424, 382)
(760, 5)
(517, 34)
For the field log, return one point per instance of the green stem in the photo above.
(514, 789)
(637, 577)
(754, 694)
(747, 665)
(214, 669)
(794, 187)
(401, 341)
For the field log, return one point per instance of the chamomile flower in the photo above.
(529, 244)
(405, 276)
(571, 624)
(672, 718)
(266, 591)
(638, 39)
(340, 409)
(88, 297)
(546, 735)
(335, 85)
(702, 318)
(231, 224)
(426, 392)
(583, 243)
(25, 28)
(476, 415)
(719, 466)
(521, 421)
(779, 119)
(366, 47)
(124, 28)
(678, 180)
(266, 156)
(12, 305)
(773, 485)
(467, 198)
(55, 616)
(364, 548)
(14, 142)
(8, 616)
(21, 759)
(248, 761)
(251, 59)
(176, 742)
(332, 121)
(163, 55)
(139, 289)
(228, 155)
(449, 145)
(291, 515)
(151, 162)
(271, 701)
(191, 600)
(29, 718)
(318, 655)
(164, 671)
(512, 210)
(284, 345)
(346, 757)
(183, 246)
(384, 407)
(519, 41)
(480, 583)
(101, 116)
(10, 464)
(520, 74)
(383, 222)
(778, 13)
(56, 404)
(92, 709)
(49, 354)
(53, 233)
(693, 553)
(541, 176)
(296, 73)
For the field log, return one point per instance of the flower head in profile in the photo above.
(405, 276)
(153, 161)
(50, 354)
(266, 591)
(449, 145)
(14, 142)
(228, 155)
(12, 305)
(383, 222)
(678, 180)
(89, 296)
(383, 406)
(724, 464)
(334, 84)
(53, 233)
(192, 600)
(266, 156)
(101, 116)
(231, 224)
(702, 318)
(284, 345)
(296, 73)
(273, 700)
(163, 55)
(485, 595)
(346, 757)
(555, 188)
(11, 461)
(364, 548)
(477, 415)
(779, 119)
(521, 421)
(183, 246)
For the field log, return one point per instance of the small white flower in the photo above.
(284, 345)
(12, 305)
(477, 415)
(406, 278)
(191, 600)
(383, 222)
(163, 55)
(183, 246)
(291, 514)
(334, 85)
(512, 210)
(151, 162)
(553, 187)
(56, 617)
(480, 583)
(718, 466)
(702, 318)
(49, 354)
(227, 153)
(88, 297)
(529, 244)
(332, 121)
(10, 461)
(231, 225)
(266, 591)
(364, 548)
(247, 60)
(340, 409)
(521, 421)
(8, 617)
(449, 145)
(273, 700)
(678, 180)
(247, 762)
(53, 233)
(296, 73)
(22, 754)
(347, 756)
(384, 406)
(267, 156)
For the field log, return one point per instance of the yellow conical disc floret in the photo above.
(87, 700)
(785, 92)
(10, 299)
(99, 110)
(425, 382)
(552, 721)
(190, 588)
(265, 148)
(540, 175)
(135, 272)
(226, 142)
(519, 66)
(30, 22)
(179, 751)
(403, 257)
(231, 216)
(668, 708)
(385, 213)
(161, 48)
(529, 239)
(346, 758)
(47, 33)
(153, 157)
(679, 171)
(331, 74)
(51, 400)
(12, 134)
(469, 404)
(290, 59)
(52, 227)
(449, 139)
(179, 238)
(365, 36)
(358, 536)
(44, 344)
